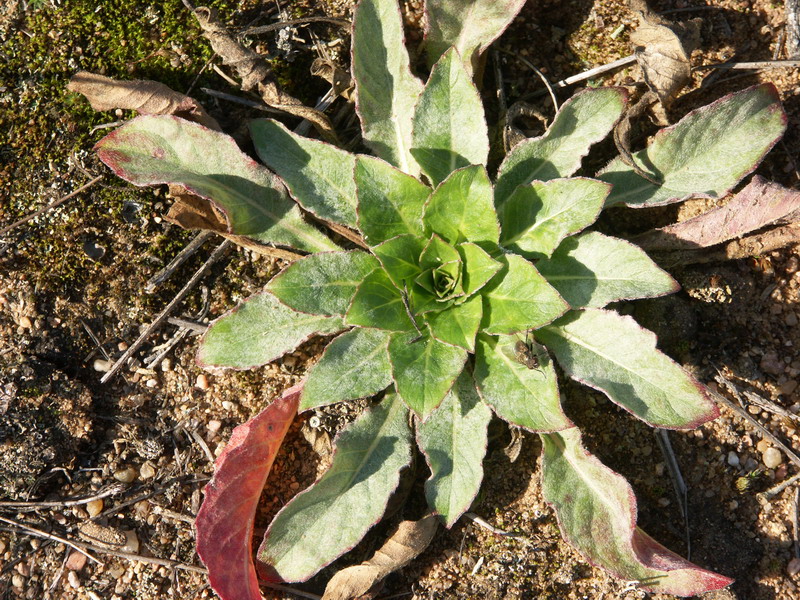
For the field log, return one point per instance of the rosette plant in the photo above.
(461, 289)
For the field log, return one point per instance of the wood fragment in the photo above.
(31, 530)
(111, 490)
(678, 483)
(176, 262)
(483, 523)
(777, 489)
(758, 64)
(793, 28)
(292, 22)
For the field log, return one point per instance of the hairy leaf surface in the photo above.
(378, 303)
(151, 150)
(704, 154)
(329, 518)
(582, 121)
(479, 267)
(400, 258)
(459, 324)
(596, 511)
(611, 353)
(449, 127)
(319, 175)
(454, 440)
(524, 396)
(354, 365)
(592, 269)
(259, 331)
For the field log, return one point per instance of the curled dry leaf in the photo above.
(406, 543)
(144, 96)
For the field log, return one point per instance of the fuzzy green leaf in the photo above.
(323, 283)
(524, 396)
(461, 208)
(479, 267)
(329, 518)
(390, 203)
(454, 440)
(519, 298)
(592, 269)
(258, 331)
(449, 127)
(538, 216)
(596, 511)
(469, 25)
(458, 324)
(378, 303)
(354, 365)
(319, 175)
(400, 257)
(704, 154)
(424, 370)
(611, 353)
(151, 150)
(386, 91)
(583, 120)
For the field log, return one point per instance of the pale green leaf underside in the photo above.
(461, 208)
(151, 150)
(386, 91)
(597, 514)
(319, 175)
(522, 396)
(469, 25)
(582, 121)
(378, 303)
(390, 203)
(592, 269)
(424, 370)
(454, 440)
(354, 365)
(323, 283)
(258, 331)
(519, 298)
(329, 518)
(538, 216)
(705, 154)
(615, 355)
(459, 324)
(449, 127)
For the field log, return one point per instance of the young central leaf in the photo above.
(378, 303)
(441, 270)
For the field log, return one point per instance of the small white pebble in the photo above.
(95, 507)
(17, 580)
(733, 459)
(25, 322)
(122, 346)
(102, 366)
(147, 470)
(132, 542)
(74, 580)
(228, 405)
(166, 365)
(772, 458)
(151, 383)
(214, 425)
(663, 502)
(2, 545)
(201, 382)
(126, 475)
(762, 446)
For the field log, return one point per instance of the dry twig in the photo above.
(49, 536)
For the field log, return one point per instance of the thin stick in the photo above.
(479, 521)
(292, 22)
(162, 316)
(49, 536)
(111, 490)
(138, 557)
(50, 206)
(796, 522)
(758, 64)
(544, 79)
(243, 101)
(678, 483)
(192, 326)
(612, 66)
(777, 489)
(176, 262)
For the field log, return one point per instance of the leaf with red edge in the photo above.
(225, 521)
(596, 511)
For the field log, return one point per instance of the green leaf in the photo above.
(151, 150)
(479, 267)
(354, 365)
(400, 257)
(386, 91)
(461, 208)
(704, 154)
(319, 175)
(378, 303)
(458, 324)
(517, 394)
(538, 216)
(454, 440)
(449, 127)
(596, 512)
(329, 518)
(258, 331)
(323, 283)
(519, 298)
(592, 269)
(469, 25)
(390, 203)
(611, 353)
(424, 370)
(437, 252)
(583, 120)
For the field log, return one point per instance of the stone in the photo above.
(95, 507)
(793, 568)
(772, 458)
(733, 459)
(126, 475)
(76, 561)
(147, 470)
(74, 580)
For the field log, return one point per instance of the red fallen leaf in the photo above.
(225, 521)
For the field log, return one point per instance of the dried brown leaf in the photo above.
(144, 96)
(405, 544)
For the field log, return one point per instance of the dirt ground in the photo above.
(72, 300)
